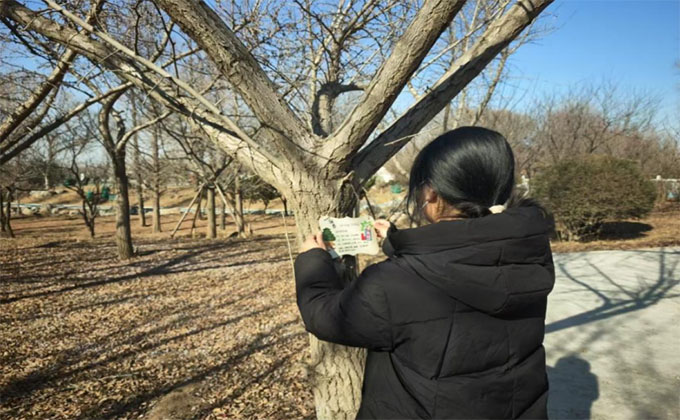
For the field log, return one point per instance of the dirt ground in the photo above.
(189, 328)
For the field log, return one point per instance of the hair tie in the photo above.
(498, 208)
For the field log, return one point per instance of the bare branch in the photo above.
(494, 39)
(407, 54)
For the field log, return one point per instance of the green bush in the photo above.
(583, 193)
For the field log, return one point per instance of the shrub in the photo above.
(585, 192)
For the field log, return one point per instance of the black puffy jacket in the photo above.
(454, 319)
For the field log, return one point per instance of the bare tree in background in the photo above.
(86, 181)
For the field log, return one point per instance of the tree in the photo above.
(86, 181)
(317, 165)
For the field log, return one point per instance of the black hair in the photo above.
(471, 168)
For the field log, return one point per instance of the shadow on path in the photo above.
(573, 389)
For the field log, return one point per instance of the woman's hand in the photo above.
(381, 227)
(313, 241)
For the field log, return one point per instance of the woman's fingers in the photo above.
(381, 226)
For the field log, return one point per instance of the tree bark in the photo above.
(336, 372)
(123, 231)
(211, 228)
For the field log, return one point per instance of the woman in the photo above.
(454, 319)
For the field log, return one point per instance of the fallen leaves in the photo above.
(189, 329)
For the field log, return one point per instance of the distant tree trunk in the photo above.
(285, 205)
(123, 231)
(140, 200)
(238, 209)
(211, 229)
(138, 172)
(223, 216)
(156, 183)
(88, 218)
(2, 214)
(199, 211)
(7, 218)
(156, 216)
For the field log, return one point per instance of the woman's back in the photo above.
(467, 304)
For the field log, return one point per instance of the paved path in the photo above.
(613, 335)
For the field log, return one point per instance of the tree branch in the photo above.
(157, 87)
(407, 54)
(497, 36)
(238, 66)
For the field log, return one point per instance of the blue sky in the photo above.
(633, 43)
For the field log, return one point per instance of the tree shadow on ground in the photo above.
(645, 294)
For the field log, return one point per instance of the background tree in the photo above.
(87, 182)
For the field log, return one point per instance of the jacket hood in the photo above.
(496, 263)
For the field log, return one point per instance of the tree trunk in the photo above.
(238, 210)
(140, 200)
(123, 232)
(88, 218)
(156, 216)
(8, 215)
(156, 182)
(285, 205)
(223, 216)
(199, 211)
(336, 372)
(211, 229)
(138, 174)
(2, 214)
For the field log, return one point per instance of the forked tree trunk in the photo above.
(123, 232)
(211, 228)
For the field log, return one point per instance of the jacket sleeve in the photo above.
(355, 315)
